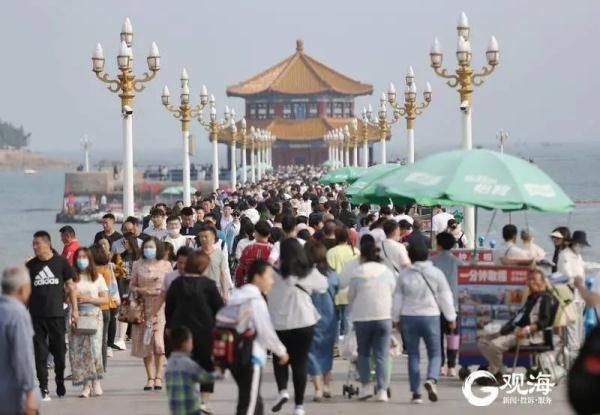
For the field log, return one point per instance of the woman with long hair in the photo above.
(244, 238)
(147, 279)
(85, 348)
(123, 267)
(192, 301)
(109, 310)
(320, 357)
(294, 317)
(370, 301)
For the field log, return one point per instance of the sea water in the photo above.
(30, 203)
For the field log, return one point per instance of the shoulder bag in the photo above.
(131, 310)
(86, 325)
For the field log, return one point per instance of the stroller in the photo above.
(350, 352)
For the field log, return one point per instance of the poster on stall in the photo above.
(487, 294)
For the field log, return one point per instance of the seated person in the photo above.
(508, 253)
(527, 325)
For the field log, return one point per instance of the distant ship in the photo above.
(30, 172)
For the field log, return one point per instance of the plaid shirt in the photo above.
(183, 376)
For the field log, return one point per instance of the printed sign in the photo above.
(487, 295)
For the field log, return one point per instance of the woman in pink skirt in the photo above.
(147, 277)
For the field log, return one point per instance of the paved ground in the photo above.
(125, 379)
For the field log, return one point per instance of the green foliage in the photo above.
(11, 136)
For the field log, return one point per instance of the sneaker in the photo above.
(404, 352)
(318, 397)
(443, 371)
(382, 395)
(452, 373)
(204, 409)
(284, 396)
(96, 388)
(46, 395)
(416, 398)
(431, 390)
(326, 392)
(60, 389)
(366, 392)
(109, 352)
(299, 410)
(119, 345)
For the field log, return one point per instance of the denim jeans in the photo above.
(427, 328)
(373, 337)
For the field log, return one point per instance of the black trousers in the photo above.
(248, 380)
(49, 337)
(112, 327)
(297, 343)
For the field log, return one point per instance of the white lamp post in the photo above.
(126, 84)
(465, 79)
(185, 112)
(214, 127)
(502, 137)
(409, 109)
(86, 143)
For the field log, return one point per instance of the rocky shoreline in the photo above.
(23, 159)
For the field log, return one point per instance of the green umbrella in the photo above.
(174, 190)
(483, 178)
(363, 189)
(342, 175)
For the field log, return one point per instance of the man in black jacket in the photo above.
(526, 327)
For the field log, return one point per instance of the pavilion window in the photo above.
(348, 109)
(287, 111)
(329, 106)
(338, 110)
(271, 110)
(300, 111)
(262, 111)
(252, 110)
(313, 110)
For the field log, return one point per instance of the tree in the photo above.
(11, 136)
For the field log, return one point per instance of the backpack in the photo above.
(233, 336)
(250, 254)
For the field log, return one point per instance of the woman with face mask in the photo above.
(571, 264)
(147, 278)
(85, 350)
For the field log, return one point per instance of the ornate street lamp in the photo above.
(214, 127)
(465, 80)
(185, 112)
(409, 109)
(126, 84)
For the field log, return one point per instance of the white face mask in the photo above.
(173, 232)
(577, 248)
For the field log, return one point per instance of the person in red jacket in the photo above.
(260, 248)
(70, 242)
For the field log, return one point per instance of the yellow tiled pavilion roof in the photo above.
(299, 74)
(309, 129)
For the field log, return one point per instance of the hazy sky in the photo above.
(545, 89)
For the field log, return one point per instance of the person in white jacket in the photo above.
(421, 294)
(294, 317)
(248, 378)
(370, 301)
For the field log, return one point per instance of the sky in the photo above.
(544, 89)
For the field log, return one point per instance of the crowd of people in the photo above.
(314, 268)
